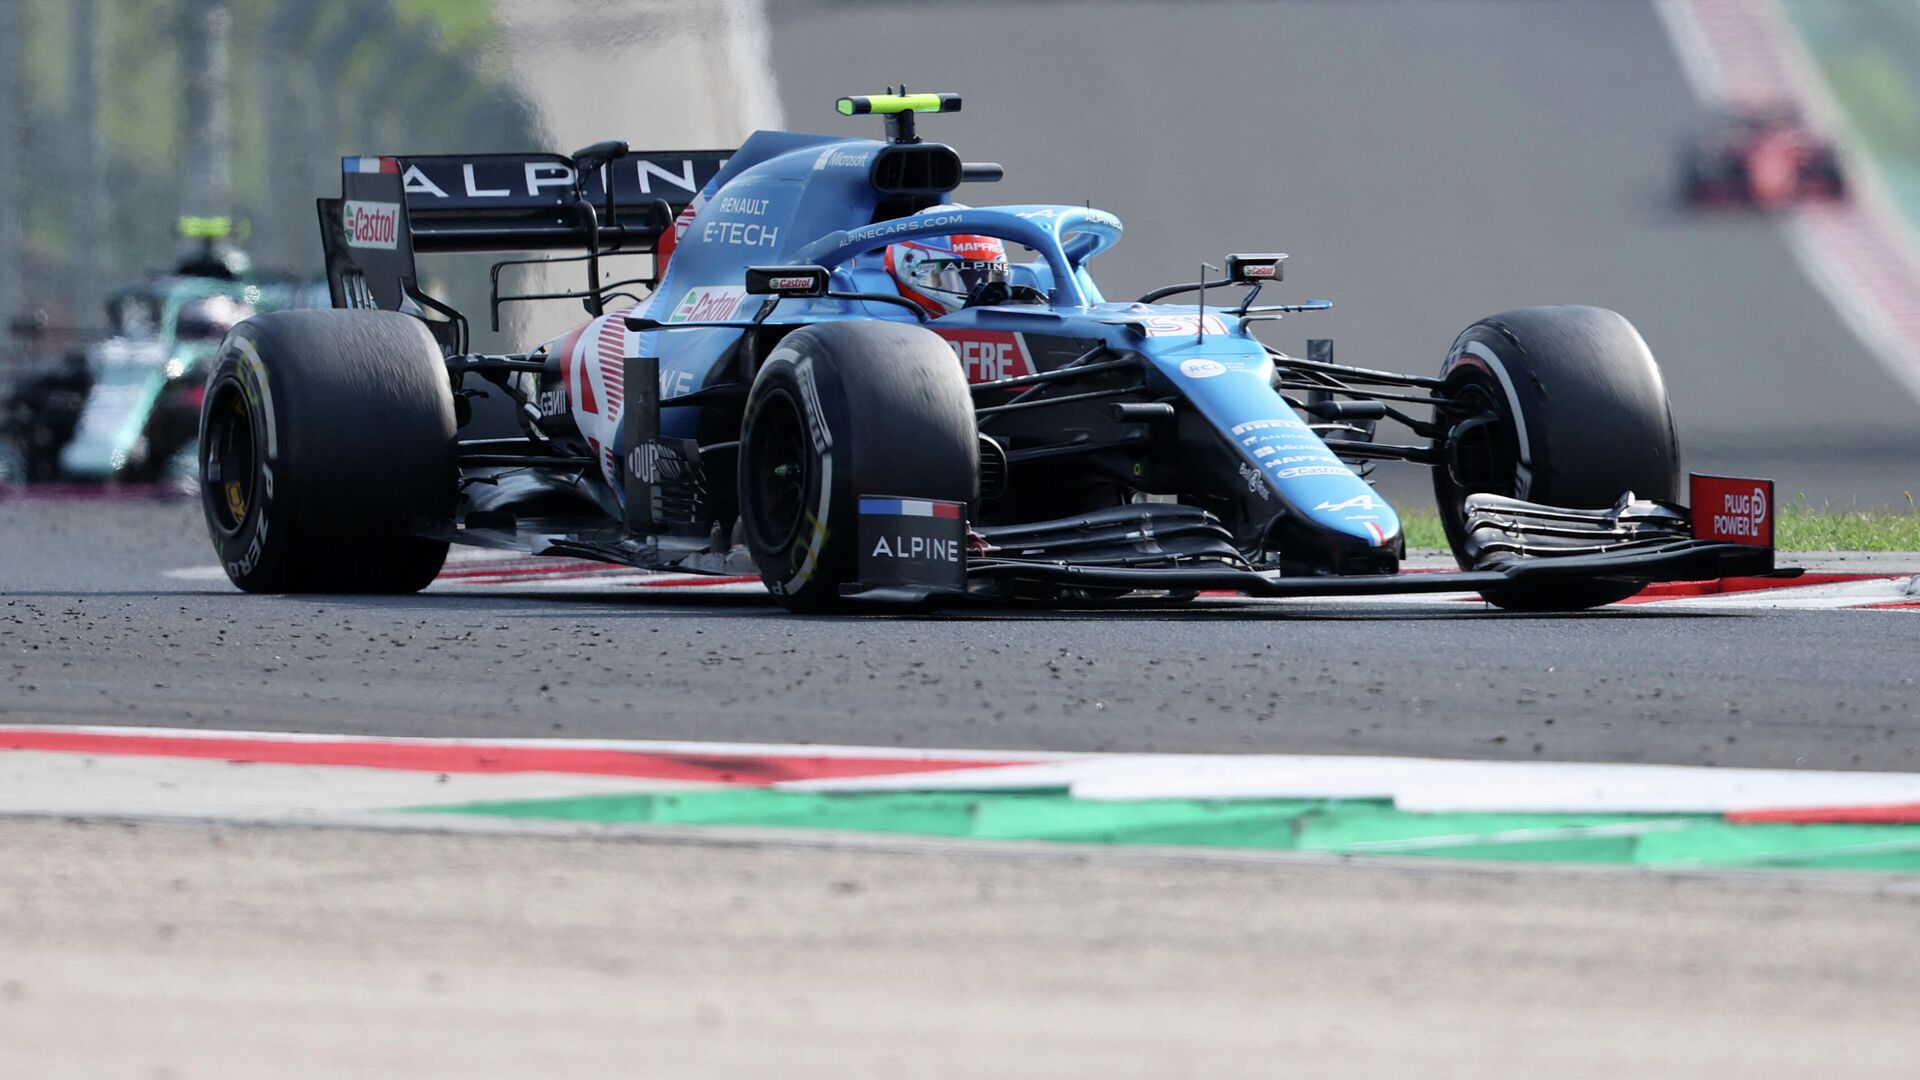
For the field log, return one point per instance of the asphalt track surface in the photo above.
(1426, 163)
(95, 632)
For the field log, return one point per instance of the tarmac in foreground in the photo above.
(191, 951)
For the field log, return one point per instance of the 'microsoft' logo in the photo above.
(371, 224)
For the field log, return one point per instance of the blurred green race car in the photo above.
(127, 406)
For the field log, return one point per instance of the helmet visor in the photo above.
(956, 277)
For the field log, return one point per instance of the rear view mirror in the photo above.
(589, 158)
(1256, 269)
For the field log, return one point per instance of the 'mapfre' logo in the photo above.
(990, 355)
(371, 224)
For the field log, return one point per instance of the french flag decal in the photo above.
(369, 165)
(910, 508)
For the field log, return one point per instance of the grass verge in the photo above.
(1796, 528)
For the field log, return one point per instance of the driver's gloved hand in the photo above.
(989, 294)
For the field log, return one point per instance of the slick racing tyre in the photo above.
(1568, 409)
(323, 436)
(840, 410)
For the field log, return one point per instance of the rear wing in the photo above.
(391, 207)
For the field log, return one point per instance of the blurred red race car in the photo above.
(1762, 156)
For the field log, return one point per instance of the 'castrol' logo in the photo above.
(715, 303)
(371, 224)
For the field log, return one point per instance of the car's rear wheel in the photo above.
(841, 410)
(1567, 408)
(325, 437)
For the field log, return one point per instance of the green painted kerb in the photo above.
(1347, 827)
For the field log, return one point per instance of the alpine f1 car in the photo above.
(826, 370)
(1760, 156)
(127, 407)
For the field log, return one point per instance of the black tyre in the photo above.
(1578, 416)
(840, 410)
(324, 435)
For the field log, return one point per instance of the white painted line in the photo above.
(1595, 788)
(146, 780)
(1831, 597)
(1422, 785)
(41, 782)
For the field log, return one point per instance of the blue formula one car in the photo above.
(822, 368)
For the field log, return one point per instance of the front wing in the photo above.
(1680, 560)
(1512, 545)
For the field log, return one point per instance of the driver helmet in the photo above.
(211, 258)
(940, 273)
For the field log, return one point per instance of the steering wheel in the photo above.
(996, 293)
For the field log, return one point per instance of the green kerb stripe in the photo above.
(1348, 826)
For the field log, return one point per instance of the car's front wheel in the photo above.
(1566, 407)
(840, 410)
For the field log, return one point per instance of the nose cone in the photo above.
(1355, 534)
(1348, 507)
(1378, 527)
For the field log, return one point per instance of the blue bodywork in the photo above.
(788, 198)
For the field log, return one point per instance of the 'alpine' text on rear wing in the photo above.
(391, 207)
